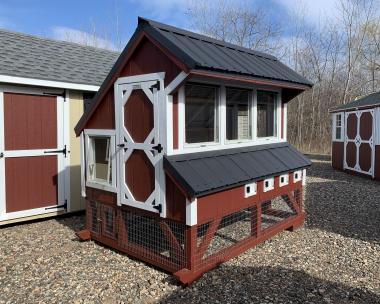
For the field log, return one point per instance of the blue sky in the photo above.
(69, 19)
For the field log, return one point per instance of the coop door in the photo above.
(139, 147)
(359, 146)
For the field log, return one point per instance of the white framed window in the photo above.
(100, 159)
(233, 122)
(250, 190)
(337, 127)
(267, 118)
(201, 114)
(238, 114)
(297, 176)
(284, 180)
(268, 184)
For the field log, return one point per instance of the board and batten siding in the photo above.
(76, 111)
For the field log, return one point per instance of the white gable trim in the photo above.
(48, 83)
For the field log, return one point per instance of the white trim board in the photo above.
(48, 83)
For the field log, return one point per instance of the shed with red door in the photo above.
(356, 136)
(185, 158)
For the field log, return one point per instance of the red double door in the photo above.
(32, 157)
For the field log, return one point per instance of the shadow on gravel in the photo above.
(342, 203)
(232, 284)
(75, 222)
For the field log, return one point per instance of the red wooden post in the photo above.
(191, 246)
(256, 220)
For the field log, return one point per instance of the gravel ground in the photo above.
(335, 258)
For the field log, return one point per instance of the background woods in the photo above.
(340, 54)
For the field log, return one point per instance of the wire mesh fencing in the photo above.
(174, 246)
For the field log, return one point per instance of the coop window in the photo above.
(250, 190)
(201, 114)
(266, 114)
(338, 127)
(100, 160)
(238, 114)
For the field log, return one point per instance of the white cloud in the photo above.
(315, 11)
(82, 37)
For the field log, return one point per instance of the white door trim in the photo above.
(62, 162)
(2, 159)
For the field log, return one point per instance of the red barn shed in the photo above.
(185, 158)
(356, 136)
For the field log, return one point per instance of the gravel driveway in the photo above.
(335, 258)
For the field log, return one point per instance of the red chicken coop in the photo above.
(185, 162)
(356, 137)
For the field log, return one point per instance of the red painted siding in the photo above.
(146, 58)
(30, 122)
(337, 155)
(31, 182)
(175, 202)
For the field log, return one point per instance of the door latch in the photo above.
(63, 151)
(1, 154)
(121, 145)
(158, 148)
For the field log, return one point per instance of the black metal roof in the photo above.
(205, 53)
(367, 101)
(213, 171)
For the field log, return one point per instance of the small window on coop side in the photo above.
(297, 176)
(338, 127)
(100, 161)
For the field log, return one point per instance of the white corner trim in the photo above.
(304, 177)
(191, 212)
(82, 166)
(48, 83)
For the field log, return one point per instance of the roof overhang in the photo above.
(47, 83)
(247, 79)
(337, 110)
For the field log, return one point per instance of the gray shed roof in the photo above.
(28, 56)
(367, 101)
(205, 53)
(208, 172)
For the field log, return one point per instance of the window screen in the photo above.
(200, 114)
(266, 114)
(238, 115)
(99, 162)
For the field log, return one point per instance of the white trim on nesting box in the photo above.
(191, 212)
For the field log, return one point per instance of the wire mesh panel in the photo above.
(216, 239)
(92, 217)
(109, 222)
(153, 238)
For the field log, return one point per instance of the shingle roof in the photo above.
(367, 101)
(28, 56)
(205, 53)
(208, 172)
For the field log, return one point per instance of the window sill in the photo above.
(101, 186)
